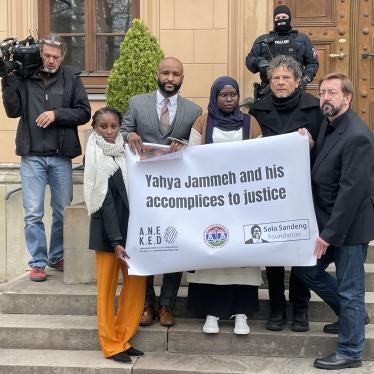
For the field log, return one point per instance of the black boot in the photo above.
(276, 321)
(300, 322)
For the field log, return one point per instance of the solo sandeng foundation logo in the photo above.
(216, 236)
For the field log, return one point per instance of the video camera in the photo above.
(19, 57)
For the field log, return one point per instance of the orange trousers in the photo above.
(116, 331)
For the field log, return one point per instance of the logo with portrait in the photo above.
(216, 236)
(255, 235)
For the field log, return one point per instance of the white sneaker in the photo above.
(241, 326)
(211, 325)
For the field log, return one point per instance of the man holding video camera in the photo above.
(51, 102)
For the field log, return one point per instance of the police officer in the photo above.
(282, 41)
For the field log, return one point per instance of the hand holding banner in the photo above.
(235, 204)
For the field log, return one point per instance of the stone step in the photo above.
(187, 337)
(370, 255)
(13, 361)
(55, 298)
(369, 271)
(369, 276)
(35, 361)
(80, 333)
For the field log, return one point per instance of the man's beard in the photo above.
(161, 86)
(51, 71)
(329, 110)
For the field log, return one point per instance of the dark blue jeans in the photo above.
(345, 294)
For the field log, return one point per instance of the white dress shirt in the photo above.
(172, 106)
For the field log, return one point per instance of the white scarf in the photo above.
(102, 160)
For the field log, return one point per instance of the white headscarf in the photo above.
(102, 159)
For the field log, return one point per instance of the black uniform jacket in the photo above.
(108, 226)
(295, 44)
(308, 114)
(343, 182)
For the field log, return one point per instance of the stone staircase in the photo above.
(50, 327)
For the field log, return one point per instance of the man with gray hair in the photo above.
(285, 110)
(51, 103)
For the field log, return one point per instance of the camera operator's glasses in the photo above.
(52, 42)
(331, 93)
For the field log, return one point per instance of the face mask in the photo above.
(282, 25)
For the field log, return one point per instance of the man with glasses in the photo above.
(285, 110)
(51, 103)
(283, 40)
(343, 189)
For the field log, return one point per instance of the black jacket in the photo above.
(295, 44)
(108, 226)
(343, 182)
(74, 111)
(308, 114)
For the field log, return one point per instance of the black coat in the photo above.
(308, 114)
(108, 226)
(74, 111)
(343, 182)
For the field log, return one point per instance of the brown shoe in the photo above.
(166, 316)
(148, 316)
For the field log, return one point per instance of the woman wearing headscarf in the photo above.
(230, 292)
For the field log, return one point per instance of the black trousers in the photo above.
(221, 301)
(299, 294)
(169, 290)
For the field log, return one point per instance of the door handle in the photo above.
(337, 55)
(366, 54)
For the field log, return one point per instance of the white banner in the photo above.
(221, 205)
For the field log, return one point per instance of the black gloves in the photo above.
(263, 65)
(303, 82)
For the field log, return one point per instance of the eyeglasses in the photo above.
(323, 93)
(226, 95)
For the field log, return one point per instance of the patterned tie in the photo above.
(164, 116)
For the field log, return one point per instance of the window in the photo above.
(92, 31)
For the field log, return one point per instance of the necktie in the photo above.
(164, 116)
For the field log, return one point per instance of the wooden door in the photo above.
(343, 34)
(363, 65)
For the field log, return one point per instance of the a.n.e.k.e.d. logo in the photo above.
(216, 236)
(170, 234)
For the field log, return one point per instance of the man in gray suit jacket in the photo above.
(343, 191)
(153, 118)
